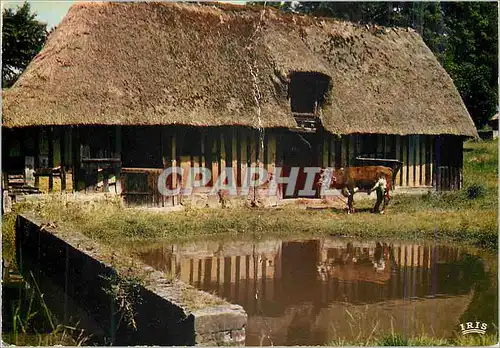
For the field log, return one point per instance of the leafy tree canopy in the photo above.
(23, 37)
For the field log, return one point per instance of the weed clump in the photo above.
(125, 290)
(474, 191)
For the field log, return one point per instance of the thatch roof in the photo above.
(166, 63)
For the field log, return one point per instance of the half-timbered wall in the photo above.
(415, 151)
(129, 160)
(42, 155)
(188, 147)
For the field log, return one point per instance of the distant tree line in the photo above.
(462, 35)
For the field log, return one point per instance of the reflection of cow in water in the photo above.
(352, 266)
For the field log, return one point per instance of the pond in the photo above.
(319, 291)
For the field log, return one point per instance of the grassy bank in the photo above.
(28, 321)
(465, 216)
(398, 340)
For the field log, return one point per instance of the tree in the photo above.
(22, 38)
(471, 55)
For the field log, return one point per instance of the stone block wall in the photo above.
(85, 271)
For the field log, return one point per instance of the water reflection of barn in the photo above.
(280, 280)
(100, 109)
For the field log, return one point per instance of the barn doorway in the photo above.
(308, 91)
(300, 150)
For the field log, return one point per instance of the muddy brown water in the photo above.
(319, 291)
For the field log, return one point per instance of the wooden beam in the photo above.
(338, 152)
(185, 164)
(271, 153)
(406, 165)
(428, 156)
(51, 157)
(417, 160)
(75, 152)
(344, 146)
(380, 145)
(265, 154)
(118, 153)
(174, 164)
(215, 149)
(387, 145)
(460, 146)
(423, 159)
(253, 149)
(234, 155)
(398, 156)
(324, 151)
(62, 147)
(279, 161)
(37, 155)
(208, 152)
(239, 151)
(260, 151)
(166, 154)
(352, 152)
(331, 151)
(244, 155)
(250, 152)
(222, 151)
(203, 148)
(411, 160)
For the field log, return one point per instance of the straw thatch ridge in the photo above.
(167, 63)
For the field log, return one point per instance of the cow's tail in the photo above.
(395, 170)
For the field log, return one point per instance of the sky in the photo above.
(51, 12)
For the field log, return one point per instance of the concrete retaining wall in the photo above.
(85, 271)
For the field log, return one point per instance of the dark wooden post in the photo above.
(279, 162)
(76, 156)
(37, 156)
(437, 170)
(118, 154)
(166, 148)
(51, 158)
(460, 162)
(428, 159)
(62, 147)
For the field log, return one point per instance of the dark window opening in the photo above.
(97, 142)
(308, 91)
(142, 147)
(188, 141)
(369, 145)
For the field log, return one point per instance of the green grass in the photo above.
(360, 335)
(399, 340)
(109, 222)
(468, 216)
(32, 323)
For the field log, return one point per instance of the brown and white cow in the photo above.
(362, 179)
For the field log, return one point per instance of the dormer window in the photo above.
(308, 91)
